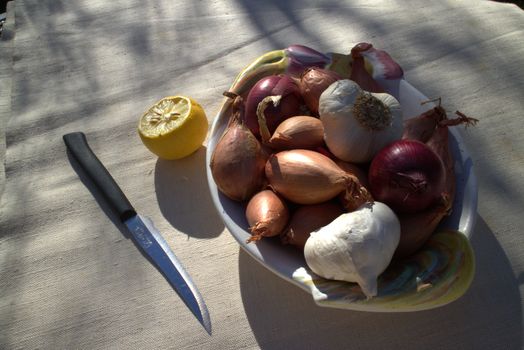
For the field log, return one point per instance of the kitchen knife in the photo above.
(141, 228)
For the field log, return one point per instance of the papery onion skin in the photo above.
(421, 128)
(238, 160)
(312, 84)
(301, 57)
(308, 218)
(359, 74)
(298, 132)
(267, 215)
(359, 173)
(273, 85)
(308, 177)
(407, 175)
(439, 143)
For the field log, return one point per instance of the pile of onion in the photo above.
(275, 157)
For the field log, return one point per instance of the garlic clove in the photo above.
(355, 247)
(338, 97)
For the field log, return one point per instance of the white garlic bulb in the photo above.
(358, 124)
(355, 247)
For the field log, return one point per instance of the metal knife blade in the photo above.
(142, 229)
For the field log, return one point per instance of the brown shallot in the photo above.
(308, 177)
(297, 132)
(308, 218)
(237, 163)
(313, 82)
(415, 229)
(267, 215)
(422, 127)
(439, 143)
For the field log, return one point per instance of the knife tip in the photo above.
(207, 327)
(205, 321)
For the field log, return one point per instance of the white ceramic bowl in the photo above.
(285, 261)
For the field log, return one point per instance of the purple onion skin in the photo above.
(301, 57)
(273, 85)
(407, 176)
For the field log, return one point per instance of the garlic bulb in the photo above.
(355, 247)
(357, 123)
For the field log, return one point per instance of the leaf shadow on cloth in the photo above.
(284, 317)
(93, 189)
(184, 198)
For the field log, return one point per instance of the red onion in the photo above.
(281, 86)
(407, 176)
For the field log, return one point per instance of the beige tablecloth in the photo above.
(69, 279)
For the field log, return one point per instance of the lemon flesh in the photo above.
(174, 127)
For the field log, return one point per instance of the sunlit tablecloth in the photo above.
(69, 279)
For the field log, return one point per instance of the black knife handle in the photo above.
(77, 144)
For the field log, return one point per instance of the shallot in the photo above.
(238, 161)
(267, 215)
(415, 229)
(422, 127)
(308, 218)
(308, 177)
(312, 84)
(295, 132)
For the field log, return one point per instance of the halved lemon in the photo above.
(174, 127)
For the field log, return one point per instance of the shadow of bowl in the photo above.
(183, 196)
(284, 317)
